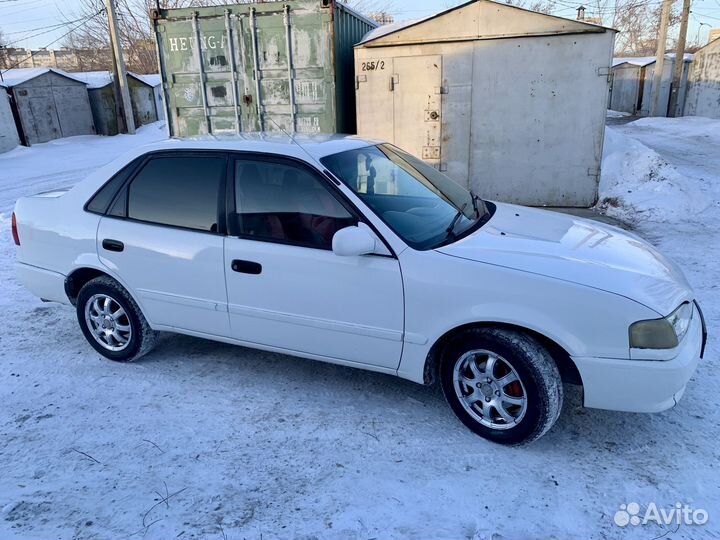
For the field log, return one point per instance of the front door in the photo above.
(287, 289)
(163, 238)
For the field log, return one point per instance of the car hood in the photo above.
(577, 250)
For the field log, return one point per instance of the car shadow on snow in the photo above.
(391, 400)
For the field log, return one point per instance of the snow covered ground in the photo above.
(207, 440)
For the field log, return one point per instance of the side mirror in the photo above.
(352, 241)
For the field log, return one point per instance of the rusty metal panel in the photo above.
(51, 106)
(102, 103)
(8, 131)
(258, 66)
(142, 98)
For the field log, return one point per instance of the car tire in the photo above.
(112, 321)
(502, 384)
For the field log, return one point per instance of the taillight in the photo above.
(14, 230)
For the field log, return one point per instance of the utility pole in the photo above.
(120, 66)
(660, 59)
(675, 105)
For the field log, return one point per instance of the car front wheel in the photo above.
(112, 322)
(502, 384)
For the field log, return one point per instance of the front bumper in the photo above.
(642, 385)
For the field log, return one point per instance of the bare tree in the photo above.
(91, 42)
(639, 23)
(541, 6)
(4, 60)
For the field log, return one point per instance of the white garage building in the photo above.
(507, 101)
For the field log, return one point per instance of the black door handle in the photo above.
(113, 245)
(246, 267)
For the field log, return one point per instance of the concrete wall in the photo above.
(51, 106)
(703, 95)
(8, 132)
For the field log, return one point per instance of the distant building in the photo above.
(632, 79)
(65, 59)
(714, 34)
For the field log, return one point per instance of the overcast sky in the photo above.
(21, 19)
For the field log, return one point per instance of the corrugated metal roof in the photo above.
(153, 79)
(643, 61)
(390, 28)
(399, 26)
(94, 79)
(13, 77)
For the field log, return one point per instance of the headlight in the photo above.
(665, 333)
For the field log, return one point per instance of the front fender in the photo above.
(443, 293)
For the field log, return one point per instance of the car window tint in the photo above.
(179, 191)
(285, 203)
(101, 200)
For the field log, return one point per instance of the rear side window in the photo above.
(101, 200)
(179, 191)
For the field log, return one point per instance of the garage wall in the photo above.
(625, 88)
(8, 132)
(142, 97)
(52, 106)
(703, 95)
(522, 119)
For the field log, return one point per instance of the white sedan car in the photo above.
(354, 252)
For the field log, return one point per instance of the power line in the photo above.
(706, 16)
(84, 22)
(52, 29)
(57, 25)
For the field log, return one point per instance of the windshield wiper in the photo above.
(454, 221)
(475, 199)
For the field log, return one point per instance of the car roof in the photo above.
(299, 145)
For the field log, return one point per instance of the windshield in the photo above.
(423, 206)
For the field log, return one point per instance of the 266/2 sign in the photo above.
(372, 65)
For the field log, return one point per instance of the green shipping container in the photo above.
(259, 66)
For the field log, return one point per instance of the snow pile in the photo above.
(64, 162)
(616, 114)
(637, 184)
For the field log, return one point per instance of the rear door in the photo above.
(163, 237)
(287, 289)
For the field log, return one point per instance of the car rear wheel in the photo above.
(502, 384)
(112, 322)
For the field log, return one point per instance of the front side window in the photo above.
(179, 191)
(285, 203)
(423, 206)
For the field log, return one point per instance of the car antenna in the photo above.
(294, 141)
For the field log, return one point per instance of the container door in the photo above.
(294, 82)
(417, 89)
(373, 97)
